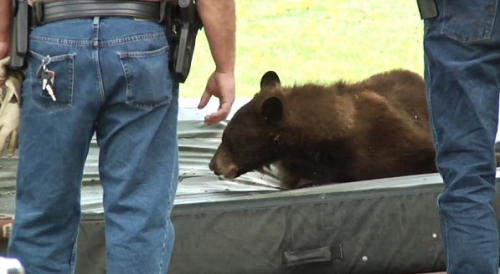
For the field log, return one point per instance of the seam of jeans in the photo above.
(95, 57)
(83, 43)
(429, 106)
(163, 248)
(445, 237)
(74, 253)
(132, 39)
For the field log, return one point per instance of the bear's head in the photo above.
(250, 139)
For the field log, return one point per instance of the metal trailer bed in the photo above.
(250, 225)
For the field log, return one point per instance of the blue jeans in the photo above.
(462, 73)
(112, 79)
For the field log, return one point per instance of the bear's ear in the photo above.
(272, 110)
(270, 79)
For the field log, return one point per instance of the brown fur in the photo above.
(318, 134)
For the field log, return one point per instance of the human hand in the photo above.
(222, 86)
(10, 113)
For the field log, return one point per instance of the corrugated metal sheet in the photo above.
(197, 184)
(197, 144)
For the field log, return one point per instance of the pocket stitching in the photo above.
(128, 75)
(487, 32)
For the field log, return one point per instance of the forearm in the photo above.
(219, 22)
(5, 26)
(5, 22)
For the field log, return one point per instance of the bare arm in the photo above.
(5, 27)
(219, 22)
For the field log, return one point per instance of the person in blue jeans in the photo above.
(111, 78)
(462, 75)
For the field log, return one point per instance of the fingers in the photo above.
(4, 133)
(14, 83)
(220, 85)
(3, 70)
(204, 99)
(14, 139)
(9, 123)
(220, 115)
(5, 61)
(9, 112)
(207, 94)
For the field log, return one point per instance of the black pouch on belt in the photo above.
(427, 8)
(182, 26)
(19, 37)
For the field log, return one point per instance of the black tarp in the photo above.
(383, 226)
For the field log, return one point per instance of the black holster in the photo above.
(427, 9)
(182, 25)
(19, 35)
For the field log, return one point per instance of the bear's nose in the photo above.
(211, 166)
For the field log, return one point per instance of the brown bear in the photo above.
(319, 134)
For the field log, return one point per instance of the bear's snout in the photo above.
(212, 167)
(229, 170)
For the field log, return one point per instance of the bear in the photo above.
(320, 134)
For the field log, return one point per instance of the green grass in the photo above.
(319, 41)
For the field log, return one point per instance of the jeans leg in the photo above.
(462, 79)
(53, 145)
(138, 162)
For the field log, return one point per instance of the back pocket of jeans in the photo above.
(63, 67)
(469, 22)
(148, 79)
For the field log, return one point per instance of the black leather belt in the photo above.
(62, 10)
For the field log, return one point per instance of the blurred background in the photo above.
(319, 41)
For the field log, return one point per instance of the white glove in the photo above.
(3, 70)
(10, 110)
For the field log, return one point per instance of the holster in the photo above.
(182, 25)
(20, 32)
(427, 9)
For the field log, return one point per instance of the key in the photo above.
(50, 91)
(48, 77)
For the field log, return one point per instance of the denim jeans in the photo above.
(112, 80)
(462, 73)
